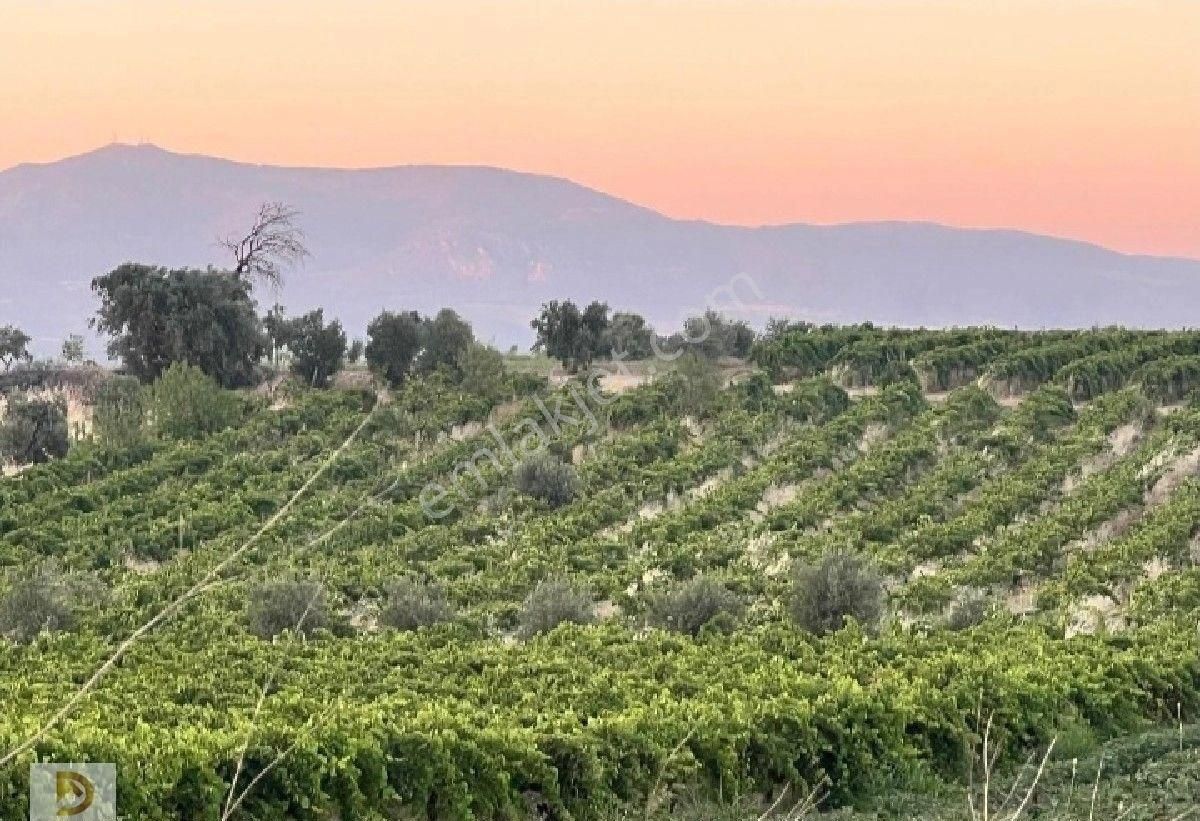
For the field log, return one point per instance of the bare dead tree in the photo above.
(275, 242)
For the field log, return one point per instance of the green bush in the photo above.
(186, 404)
(842, 585)
(39, 602)
(552, 603)
(701, 602)
(694, 385)
(546, 477)
(33, 430)
(970, 609)
(279, 606)
(119, 416)
(411, 604)
(1074, 738)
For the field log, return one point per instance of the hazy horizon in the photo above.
(523, 171)
(1070, 119)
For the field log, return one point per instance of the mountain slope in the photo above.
(497, 243)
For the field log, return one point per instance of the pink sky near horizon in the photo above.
(1077, 118)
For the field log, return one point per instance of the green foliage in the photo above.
(946, 367)
(841, 585)
(460, 722)
(1075, 739)
(970, 610)
(411, 604)
(699, 603)
(119, 415)
(1026, 367)
(72, 349)
(36, 603)
(295, 606)
(638, 407)
(815, 399)
(483, 372)
(157, 317)
(693, 385)
(1171, 379)
(544, 476)
(805, 350)
(278, 329)
(713, 336)
(571, 336)
(33, 430)
(631, 338)
(446, 339)
(14, 346)
(1111, 370)
(186, 404)
(1041, 414)
(318, 350)
(553, 602)
(393, 342)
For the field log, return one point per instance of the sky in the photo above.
(1077, 118)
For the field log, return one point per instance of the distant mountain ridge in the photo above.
(495, 244)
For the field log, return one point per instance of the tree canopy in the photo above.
(714, 335)
(318, 350)
(73, 350)
(14, 346)
(33, 430)
(630, 336)
(446, 338)
(393, 342)
(158, 316)
(573, 337)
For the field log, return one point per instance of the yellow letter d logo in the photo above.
(74, 792)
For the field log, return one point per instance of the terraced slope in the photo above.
(1045, 485)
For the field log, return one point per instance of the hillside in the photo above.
(497, 243)
(1031, 502)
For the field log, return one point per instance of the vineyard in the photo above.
(1030, 502)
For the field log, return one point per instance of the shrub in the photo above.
(841, 585)
(637, 407)
(694, 385)
(895, 371)
(483, 372)
(691, 606)
(970, 610)
(34, 604)
(34, 430)
(1075, 739)
(553, 602)
(287, 605)
(546, 477)
(411, 604)
(120, 412)
(186, 404)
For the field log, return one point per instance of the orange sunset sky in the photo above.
(1078, 118)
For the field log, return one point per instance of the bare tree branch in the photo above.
(274, 243)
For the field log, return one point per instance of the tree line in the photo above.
(203, 325)
(577, 337)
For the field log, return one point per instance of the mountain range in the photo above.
(495, 244)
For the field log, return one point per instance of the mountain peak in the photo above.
(496, 244)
